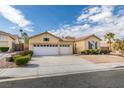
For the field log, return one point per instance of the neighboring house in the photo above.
(7, 40)
(49, 44)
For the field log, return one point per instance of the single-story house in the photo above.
(49, 44)
(7, 40)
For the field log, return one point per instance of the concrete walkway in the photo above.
(56, 65)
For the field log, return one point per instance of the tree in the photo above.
(25, 37)
(109, 36)
(119, 46)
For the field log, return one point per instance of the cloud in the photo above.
(96, 20)
(15, 16)
(82, 16)
(100, 16)
(13, 27)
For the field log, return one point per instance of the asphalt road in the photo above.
(101, 79)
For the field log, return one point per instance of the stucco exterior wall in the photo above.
(52, 40)
(83, 44)
(3, 43)
(79, 46)
(7, 42)
(16, 41)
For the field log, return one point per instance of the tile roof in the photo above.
(8, 34)
(86, 37)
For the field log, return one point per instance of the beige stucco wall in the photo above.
(16, 41)
(3, 43)
(52, 40)
(80, 45)
(7, 42)
(11, 41)
(83, 45)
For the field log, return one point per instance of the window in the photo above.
(96, 45)
(45, 39)
(89, 45)
(92, 44)
(44, 45)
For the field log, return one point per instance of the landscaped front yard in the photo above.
(4, 64)
(103, 58)
(15, 60)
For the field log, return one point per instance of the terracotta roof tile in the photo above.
(86, 37)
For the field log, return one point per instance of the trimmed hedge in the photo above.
(4, 49)
(95, 52)
(27, 52)
(105, 51)
(22, 60)
(15, 56)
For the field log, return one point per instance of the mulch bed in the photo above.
(7, 64)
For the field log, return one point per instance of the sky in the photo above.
(66, 20)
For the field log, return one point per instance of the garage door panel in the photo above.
(66, 50)
(45, 50)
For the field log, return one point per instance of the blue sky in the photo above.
(63, 20)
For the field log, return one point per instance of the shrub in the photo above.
(84, 52)
(91, 51)
(95, 51)
(15, 56)
(22, 60)
(103, 51)
(27, 52)
(4, 49)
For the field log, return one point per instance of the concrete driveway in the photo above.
(55, 65)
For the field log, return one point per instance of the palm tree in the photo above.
(109, 36)
(25, 37)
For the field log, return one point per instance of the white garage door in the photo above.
(52, 50)
(46, 50)
(66, 49)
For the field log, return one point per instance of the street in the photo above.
(100, 79)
